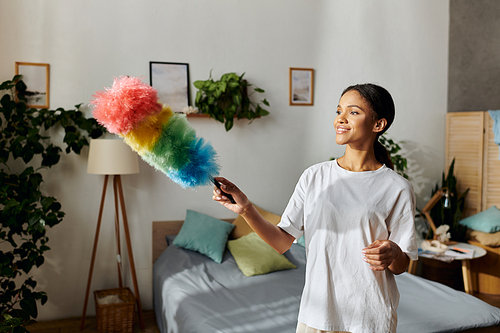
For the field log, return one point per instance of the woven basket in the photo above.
(118, 317)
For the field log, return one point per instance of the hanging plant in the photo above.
(25, 211)
(228, 98)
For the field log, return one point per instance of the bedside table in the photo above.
(466, 271)
(487, 270)
(478, 253)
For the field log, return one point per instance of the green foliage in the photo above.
(400, 163)
(228, 98)
(452, 215)
(25, 211)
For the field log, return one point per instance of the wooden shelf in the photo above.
(196, 115)
(203, 115)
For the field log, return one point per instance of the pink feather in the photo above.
(125, 104)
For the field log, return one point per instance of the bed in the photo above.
(193, 294)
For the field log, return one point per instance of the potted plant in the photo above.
(451, 212)
(228, 98)
(25, 211)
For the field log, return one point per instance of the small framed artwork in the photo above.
(301, 86)
(37, 80)
(171, 80)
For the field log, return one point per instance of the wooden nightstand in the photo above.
(487, 270)
(466, 270)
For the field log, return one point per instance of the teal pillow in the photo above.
(204, 234)
(302, 241)
(254, 256)
(487, 221)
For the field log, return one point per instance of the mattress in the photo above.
(193, 294)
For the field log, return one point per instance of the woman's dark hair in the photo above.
(382, 105)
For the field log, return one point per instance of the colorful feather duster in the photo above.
(163, 139)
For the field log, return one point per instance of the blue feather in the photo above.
(200, 169)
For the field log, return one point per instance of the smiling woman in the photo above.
(355, 124)
(357, 218)
(364, 113)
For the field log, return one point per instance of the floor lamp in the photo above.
(113, 157)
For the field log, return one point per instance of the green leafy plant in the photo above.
(400, 163)
(452, 214)
(25, 211)
(227, 99)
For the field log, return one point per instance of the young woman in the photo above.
(357, 218)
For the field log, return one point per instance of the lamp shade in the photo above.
(111, 157)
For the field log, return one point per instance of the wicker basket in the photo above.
(118, 317)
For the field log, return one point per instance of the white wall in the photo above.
(402, 45)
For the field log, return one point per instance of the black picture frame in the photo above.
(171, 80)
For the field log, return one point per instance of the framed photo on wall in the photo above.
(37, 80)
(171, 80)
(301, 86)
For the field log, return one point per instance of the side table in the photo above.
(487, 270)
(466, 271)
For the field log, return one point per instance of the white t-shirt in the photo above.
(341, 212)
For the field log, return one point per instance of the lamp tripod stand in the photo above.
(119, 201)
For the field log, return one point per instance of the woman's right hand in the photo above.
(273, 235)
(242, 202)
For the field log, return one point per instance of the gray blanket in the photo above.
(193, 294)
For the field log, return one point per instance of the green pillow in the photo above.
(254, 256)
(486, 221)
(204, 234)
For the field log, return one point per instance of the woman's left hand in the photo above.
(383, 254)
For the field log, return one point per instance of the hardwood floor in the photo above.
(73, 325)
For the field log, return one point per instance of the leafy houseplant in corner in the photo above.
(25, 211)
(451, 213)
(227, 99)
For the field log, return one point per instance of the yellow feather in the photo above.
(145, 134)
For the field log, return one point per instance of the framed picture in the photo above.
(171, 80)
(36, 78)
(301, 86)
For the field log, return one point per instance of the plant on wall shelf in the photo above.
(25, 211)
(227, 99)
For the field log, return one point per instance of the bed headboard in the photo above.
(163, 228)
